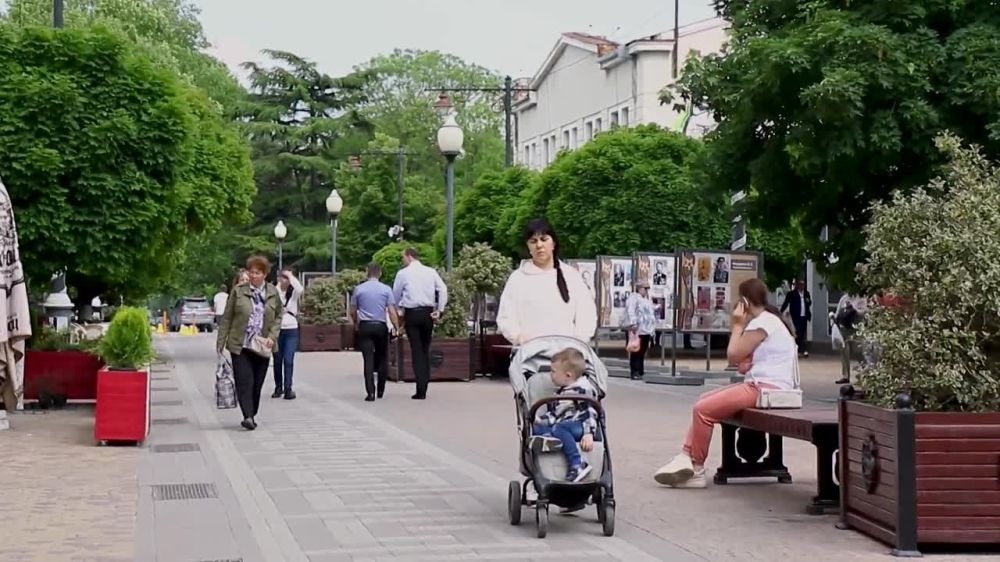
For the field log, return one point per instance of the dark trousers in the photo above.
(637, 360)
(373, 341)
(249, 372)
(284, 358)
(801, 325)
(420, 330)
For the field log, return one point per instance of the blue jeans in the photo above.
(284, 359)
(568, 433)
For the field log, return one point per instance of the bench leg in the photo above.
(743, 456)
(827, 499)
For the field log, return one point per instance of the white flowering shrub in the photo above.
(937, 250)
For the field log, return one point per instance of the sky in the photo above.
(509, 36)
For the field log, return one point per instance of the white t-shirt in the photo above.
(219, 303)
(775, 360)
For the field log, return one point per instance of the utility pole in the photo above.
(57, 13)
(677, 35)
(508, 89)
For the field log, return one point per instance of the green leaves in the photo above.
(128, 343)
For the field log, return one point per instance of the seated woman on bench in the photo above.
(761, 344)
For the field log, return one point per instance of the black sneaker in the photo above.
(289, 394)
(277, 393)
(370, 398)
(419, 397)
(248, 424)
(578, 473)
(544, 444)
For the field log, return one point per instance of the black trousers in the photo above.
(637, 360)
(249, 373)
(801, 325)
(420, 330)
(373, 341)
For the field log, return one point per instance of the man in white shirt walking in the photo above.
(421, 295)
(219, 304)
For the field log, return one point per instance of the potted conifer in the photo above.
(122, 412)
(323, 319)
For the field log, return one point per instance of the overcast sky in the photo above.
(510, 36)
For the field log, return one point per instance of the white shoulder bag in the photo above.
(779, 398)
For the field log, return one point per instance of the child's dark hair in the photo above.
(541, 225)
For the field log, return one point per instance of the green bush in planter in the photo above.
(128, 343)
(325, 301)
(390, 257)
(937, 250)
(454, 323)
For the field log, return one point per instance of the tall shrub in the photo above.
(937, 251)
(128, 343)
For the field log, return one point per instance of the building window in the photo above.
(566, 139)
(527, 156)
(624, 117)
(597, 125)
(614, 118)
(575, 137)
(545, 150)
(534, 154)
(555, 147)
(590, 130)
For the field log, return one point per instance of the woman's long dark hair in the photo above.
(756, 293)
(542, 226)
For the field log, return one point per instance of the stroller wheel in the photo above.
(607, 517)
(542, 519)
(599, 503)
(514, 502)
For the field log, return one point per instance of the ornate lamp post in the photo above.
(334, 204)
(280, 232)
(450, 138)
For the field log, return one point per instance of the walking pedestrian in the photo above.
(249, 331)
(422, 295)
(289, 291)
(372, 310)
(219, 304)
(640, 316)
(798, 303)
(545, 296)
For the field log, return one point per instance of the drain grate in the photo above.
(167, 388)
(166, 402)
(175, 447)
(170, 421)
(160, 378)
(224, 560)
(167, 492)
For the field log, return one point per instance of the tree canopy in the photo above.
(825, 107)
(110, 160)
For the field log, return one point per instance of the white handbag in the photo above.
(780, 398)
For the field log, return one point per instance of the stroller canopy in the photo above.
(537, 353)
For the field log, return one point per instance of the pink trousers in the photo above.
(710, 409)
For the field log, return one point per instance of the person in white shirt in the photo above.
(219, 303)
(420, 293)
(545, 296)
(289, 291)
(764, 348)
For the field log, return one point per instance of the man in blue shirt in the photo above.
(422, 295)
(372, 308)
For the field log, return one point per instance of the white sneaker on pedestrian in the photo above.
(696, 481)
(679, 469)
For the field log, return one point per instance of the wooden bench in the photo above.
(751, 434)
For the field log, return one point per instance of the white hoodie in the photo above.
(531, 305)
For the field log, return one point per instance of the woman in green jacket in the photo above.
(253, 314)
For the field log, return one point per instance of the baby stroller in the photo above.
(546, 472)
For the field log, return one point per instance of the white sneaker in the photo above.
(696, 481)
(679, 469)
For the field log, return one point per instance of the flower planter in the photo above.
(122, 411)
(68, 373)
(451, 360)
(321, 337)
(490, 359)
(347, 336)
(919, 478)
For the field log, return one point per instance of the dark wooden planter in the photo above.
(913, 479)
(321, 337)
(347, 336)
(68, 373)
(489, 360)
(451, 360)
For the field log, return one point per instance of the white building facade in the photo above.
(589, 84)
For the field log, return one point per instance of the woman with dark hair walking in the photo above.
(249, 331)
(545, 296)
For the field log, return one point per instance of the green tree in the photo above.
(111, 162)
(826, 106)
(390, 257)
(479, 209)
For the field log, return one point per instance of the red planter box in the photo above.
(321, 337)
(71, 373)
(122, 412)
(451, 360)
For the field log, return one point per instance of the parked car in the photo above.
(192, 311)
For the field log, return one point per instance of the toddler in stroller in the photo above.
(558, 384)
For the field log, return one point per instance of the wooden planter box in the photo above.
(68, 373)
(122, 411)
(321, 337)
(919, 478)
(491, 360)
(451, 360)
(347, 336)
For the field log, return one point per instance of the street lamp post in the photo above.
(450, 138)
(280, 232)
(443, 107)
(334, 204)
(57, 13)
